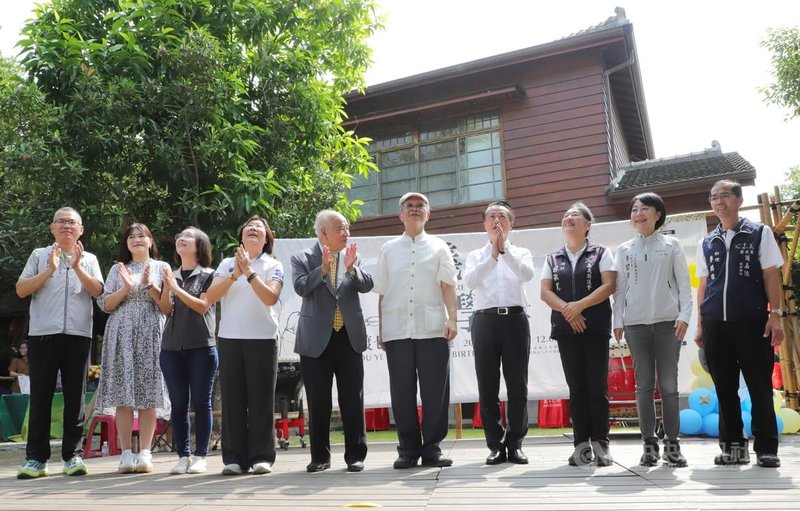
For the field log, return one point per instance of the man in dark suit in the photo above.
(330, 338)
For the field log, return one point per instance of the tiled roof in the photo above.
(710, 164)
(617, 20)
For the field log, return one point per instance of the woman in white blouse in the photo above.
(248, 285)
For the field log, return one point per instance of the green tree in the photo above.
(201, 112)
(790, 189)
(784, 47)
(30, 150)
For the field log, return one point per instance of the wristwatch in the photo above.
(779, 312)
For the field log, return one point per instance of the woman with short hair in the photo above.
(653, 305)
(248, 286)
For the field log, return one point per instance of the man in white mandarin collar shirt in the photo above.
(415, 279)
(500, 332)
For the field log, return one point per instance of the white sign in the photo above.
(545, 375)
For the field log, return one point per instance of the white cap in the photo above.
(414, 194)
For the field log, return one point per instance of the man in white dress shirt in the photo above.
(415, 279)
(500, 332)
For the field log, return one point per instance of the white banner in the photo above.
(545, 376)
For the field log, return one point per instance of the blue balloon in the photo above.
(779, 420)
(702, 401)
(716, 402)
(711, 424)
(747, 420)
(691, 422)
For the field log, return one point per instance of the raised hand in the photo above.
(243, 262)
(146, 276)
(77, 253)
(126, 276)
(500, 236)
(169, 281)
(326, 260)
(52, 261)
(350, 257)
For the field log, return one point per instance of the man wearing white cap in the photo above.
(415, 279)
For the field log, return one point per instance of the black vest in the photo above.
(735, 284)
(572, 286)
(185, 329)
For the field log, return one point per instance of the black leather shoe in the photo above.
(517, 456)
(404, 461)
(318, 466)
(356, 466)
(496, 457)
(438, 461)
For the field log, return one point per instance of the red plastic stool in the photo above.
(108, 433)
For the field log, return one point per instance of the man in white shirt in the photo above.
(501, 333)
(415, 279)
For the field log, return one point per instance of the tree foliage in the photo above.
(784, 47)
(790, 189)
(198, 112)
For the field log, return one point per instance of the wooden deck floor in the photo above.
(547, 483)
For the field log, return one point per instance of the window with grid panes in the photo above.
(452, 162)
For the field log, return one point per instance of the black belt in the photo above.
(502, 311)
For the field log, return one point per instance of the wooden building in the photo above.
(541, 127)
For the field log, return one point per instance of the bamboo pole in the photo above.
(790, 348)
(459, 421)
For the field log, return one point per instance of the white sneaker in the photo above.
(232, 469)
(183, 465)
(127, 462)
(263, 467)
(198, 465)
(144, 462)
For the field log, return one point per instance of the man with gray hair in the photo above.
(61, 280)
(330, 338)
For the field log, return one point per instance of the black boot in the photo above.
(673, 455)
(650, 453)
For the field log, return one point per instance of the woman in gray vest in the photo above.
(577, 281)
(653, 304)
(188, 347)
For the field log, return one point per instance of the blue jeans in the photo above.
(190, 373)
(655, 351)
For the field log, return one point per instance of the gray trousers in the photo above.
(655, 351)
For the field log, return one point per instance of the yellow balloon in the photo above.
(777, 400)
(693, 279)
(702, 382)
(697, 367)
(791, 420)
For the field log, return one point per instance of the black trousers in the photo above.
(733, 346)
(502, 340)
(47, 355)
(340, 360)
(248, 370)
(429, 361)
(585, 362)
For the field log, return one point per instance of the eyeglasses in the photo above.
(187, 235)
(721, 196)
(66, 221)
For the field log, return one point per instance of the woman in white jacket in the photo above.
(653, 305)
